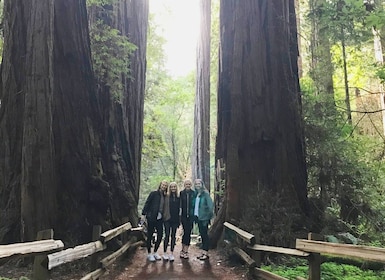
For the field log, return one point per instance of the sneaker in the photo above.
(186, 255)
(182, 253)
(171, 257)
(165, 257)
(150, 257)
(199, 257)
(204, 257)
(157, 257)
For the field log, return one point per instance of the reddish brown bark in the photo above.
(259, 115)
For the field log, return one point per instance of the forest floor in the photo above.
(136, 266)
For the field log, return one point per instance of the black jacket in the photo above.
(174, 209)
(151, 207)
(187, 202)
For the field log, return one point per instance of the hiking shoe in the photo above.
(150, 257)
(171, 257)
(165, 257)
(157, 257)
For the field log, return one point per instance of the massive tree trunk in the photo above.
(123, 121)
(82, 192)
(134, 25)
(260, 136)
(53, 170)
(201, 144)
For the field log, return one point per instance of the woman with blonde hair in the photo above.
(153, 211)
(171, 220)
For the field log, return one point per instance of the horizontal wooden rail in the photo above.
(344, 250)
(94, 274)
(248, 237)
(28, 248)
(250, 262)
(108, 235)
(112, 258)
(76, 253)
(267, 275)
(280, 250)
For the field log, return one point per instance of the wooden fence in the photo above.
(247, 249)
(50, 253)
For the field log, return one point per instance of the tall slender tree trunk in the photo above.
(201, 144)
(346, 81)
(380, 60)
(321, 67)
(259, 112)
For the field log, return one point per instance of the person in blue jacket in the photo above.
(153, 211)
(203, 213)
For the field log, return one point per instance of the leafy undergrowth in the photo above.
(329, 271)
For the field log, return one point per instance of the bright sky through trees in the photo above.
(178, 22)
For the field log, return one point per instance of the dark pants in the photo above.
(187, 224)
(170, 227)
(152, 226)
(203, 227)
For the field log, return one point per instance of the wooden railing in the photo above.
(247, 250)
(50, 253)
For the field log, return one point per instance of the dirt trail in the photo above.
(137, 267)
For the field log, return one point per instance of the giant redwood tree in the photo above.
(53, 167)
(260, 136)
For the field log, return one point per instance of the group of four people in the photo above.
(166, 208)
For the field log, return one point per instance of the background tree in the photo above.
(259, 117)
(201, 145)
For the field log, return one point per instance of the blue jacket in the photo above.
(206, 207)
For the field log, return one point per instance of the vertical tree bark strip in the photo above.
(12, 115)
(38, 186)
(201, 144)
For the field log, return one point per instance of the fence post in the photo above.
(40, 270)
(256, 255)
(124, 235)
(96, 232)
(314, 259)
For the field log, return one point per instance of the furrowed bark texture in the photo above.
(122, 122)
(53, 171)
(259, 118)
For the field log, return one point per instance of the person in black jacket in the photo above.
(187, 199)
(171, 220)
(153, 211)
